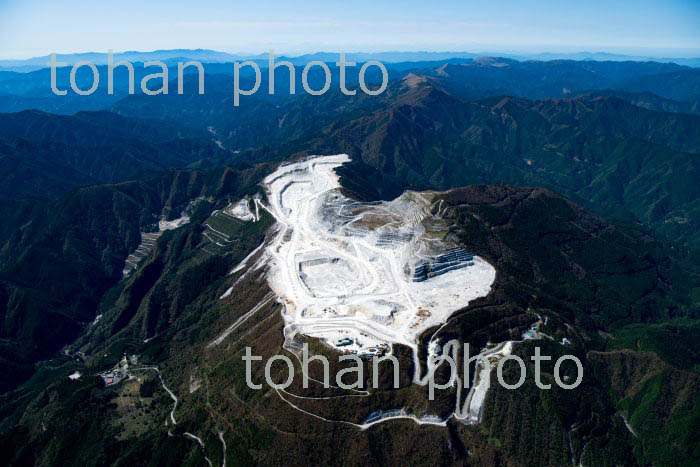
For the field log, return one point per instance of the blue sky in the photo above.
(661, 28)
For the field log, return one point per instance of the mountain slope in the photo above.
(493, 76)
(583, 273)
(55, 268)
(614, 293)
(610, 155)
(89, 128)
(648, 101)
(46, 155)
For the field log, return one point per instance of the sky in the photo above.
(668, 28)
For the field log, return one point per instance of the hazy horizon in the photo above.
(650, 53)
(659, 29)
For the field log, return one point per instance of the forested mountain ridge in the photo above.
(612, 156)
(574, 181)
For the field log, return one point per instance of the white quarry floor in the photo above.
(343, 269)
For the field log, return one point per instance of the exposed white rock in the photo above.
(227, 293)
(173, 224)
(241, 210)
(345, 271)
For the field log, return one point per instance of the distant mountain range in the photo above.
(100, 58)
(466, 78)
(172, 56)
